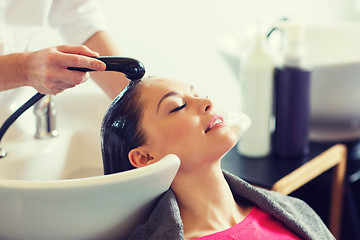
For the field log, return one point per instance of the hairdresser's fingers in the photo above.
(62, 86)
(66, 60)
(66, 77)
(72, 77)
(78, 56)
(77, 49)
(61, 80)
(58, 88)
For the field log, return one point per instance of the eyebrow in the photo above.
(169, 94)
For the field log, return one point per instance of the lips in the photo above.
(215, 122)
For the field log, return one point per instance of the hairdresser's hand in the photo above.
(46, 70)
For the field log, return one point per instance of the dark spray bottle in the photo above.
(292, 98)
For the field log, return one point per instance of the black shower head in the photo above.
(132, 68)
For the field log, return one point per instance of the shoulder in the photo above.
(293, 212)
(166, 214)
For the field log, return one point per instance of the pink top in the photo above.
(257, 225)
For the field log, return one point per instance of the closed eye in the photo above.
(178, 108)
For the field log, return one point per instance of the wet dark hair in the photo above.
(121, 130)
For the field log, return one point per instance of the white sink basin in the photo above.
(55, 189)
(75, 153)
(101, 207)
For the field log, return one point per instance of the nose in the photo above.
(205, 105)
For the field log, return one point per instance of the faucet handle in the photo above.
(45, 113)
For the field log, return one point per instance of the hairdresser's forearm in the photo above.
(12, 71)
(112, 83)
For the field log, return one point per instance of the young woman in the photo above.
(154, 117)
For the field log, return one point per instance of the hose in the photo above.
(18, 112)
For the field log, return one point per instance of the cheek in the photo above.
(179, 135)
(180, 131)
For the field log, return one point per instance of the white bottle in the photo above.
(256, 79)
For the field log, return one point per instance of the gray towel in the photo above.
(293, 212)
(165, 221)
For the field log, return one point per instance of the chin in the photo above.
(223, 146)
(230, 139)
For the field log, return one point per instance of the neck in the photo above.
(206, 202)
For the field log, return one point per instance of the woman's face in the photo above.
(177, 120)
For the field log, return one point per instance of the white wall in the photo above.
(179, 38)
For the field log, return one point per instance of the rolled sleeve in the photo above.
(77, 20)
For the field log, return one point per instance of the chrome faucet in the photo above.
(45, 113)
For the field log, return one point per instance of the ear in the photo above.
(139, 157)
